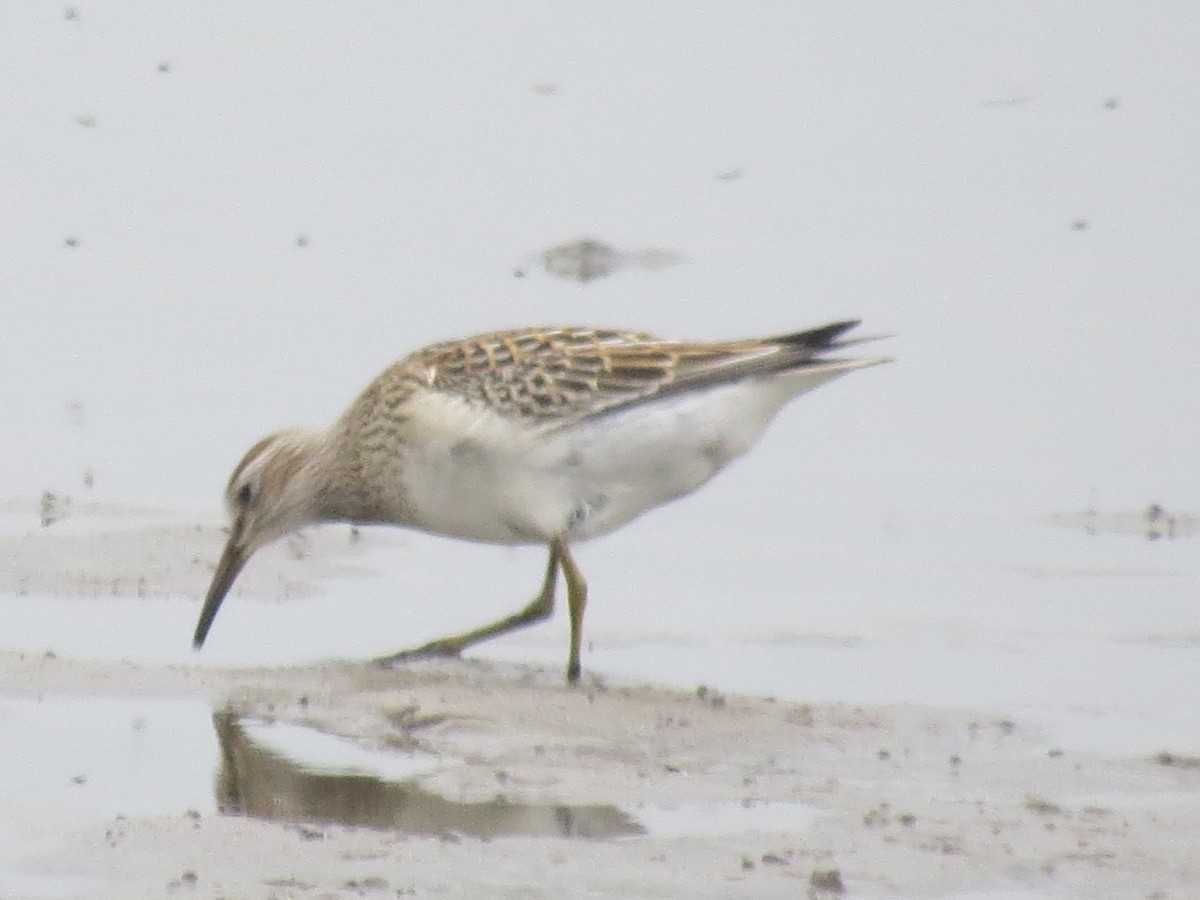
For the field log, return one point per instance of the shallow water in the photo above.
(876, 548)
(725, 818)
(1076, 635)
(292, 774)
(75, 762)
(1003, 614)
(175, 757)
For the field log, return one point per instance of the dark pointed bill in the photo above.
(231, 562)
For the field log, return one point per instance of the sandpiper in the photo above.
(536, 436)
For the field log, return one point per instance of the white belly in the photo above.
(634, 460)
(653, 452)
(490, 478)
(485, 477)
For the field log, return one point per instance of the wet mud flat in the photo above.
(467, 779)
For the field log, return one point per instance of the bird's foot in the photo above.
(442, 648)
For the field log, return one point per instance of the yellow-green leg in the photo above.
(539, 608)
(576, 602)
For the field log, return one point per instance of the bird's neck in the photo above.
(342, 492)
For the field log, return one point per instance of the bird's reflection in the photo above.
(256, 781)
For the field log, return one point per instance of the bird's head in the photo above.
(269, 494)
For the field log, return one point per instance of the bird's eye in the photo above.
(245, 492)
